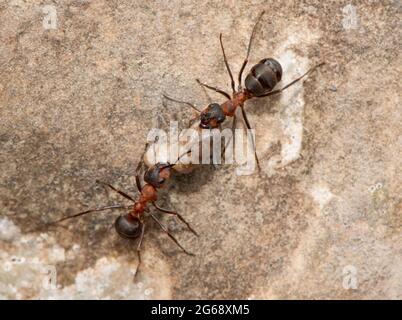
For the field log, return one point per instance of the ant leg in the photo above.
(139, 166)
(233, 135)
(141, 162)
(114, 206)
(137, 170)
(227, 65)
(170, 235)
(49, 224)
(293, 82)
(214, 89)
(125, 195)
(177, 215)
(249, 47)
(139, 250)
(184, 102)
(138, 183)
(252, 139)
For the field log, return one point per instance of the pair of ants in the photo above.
(259, 83)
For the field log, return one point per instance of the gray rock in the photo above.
(79, 95)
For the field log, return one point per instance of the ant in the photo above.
(260, 82)
(132, 225)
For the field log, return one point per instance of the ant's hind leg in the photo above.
(177, 215)
(170, 235)
(139, 250)
(53, 223)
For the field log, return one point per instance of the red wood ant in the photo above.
(260, 81)
(132, 224)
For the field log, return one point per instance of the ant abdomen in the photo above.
(128, 227)
(263, 77)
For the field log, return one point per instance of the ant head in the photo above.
(212, 116)
(157, 174)
(275, 67)
(128, 226)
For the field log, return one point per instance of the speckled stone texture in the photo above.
(323, 219)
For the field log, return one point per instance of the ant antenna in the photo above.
(183, 102)
(171, 165)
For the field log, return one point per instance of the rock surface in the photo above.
(81, 85)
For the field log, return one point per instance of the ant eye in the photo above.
(128, 227)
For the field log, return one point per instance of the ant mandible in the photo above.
(260, 82)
